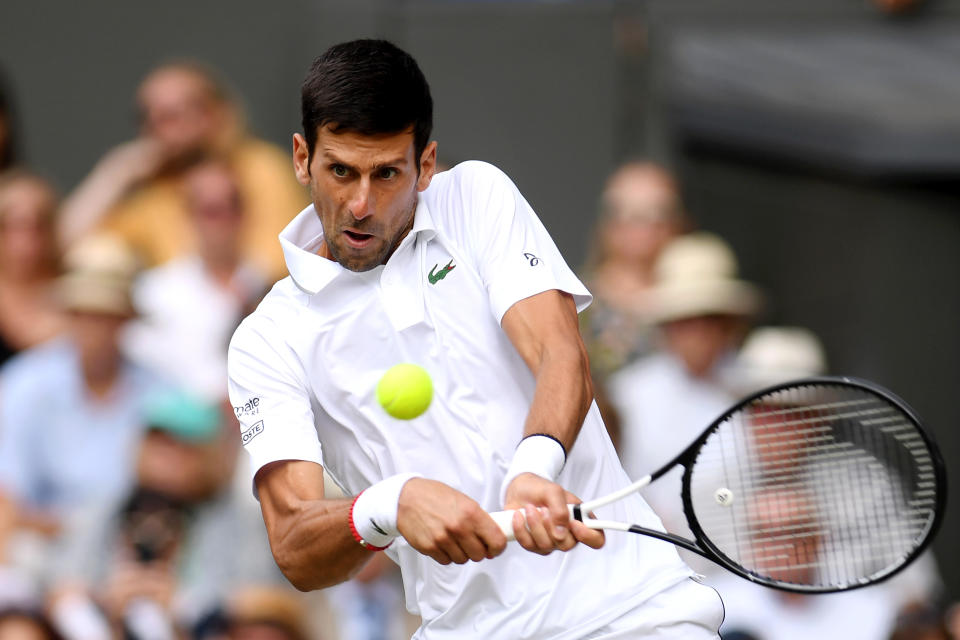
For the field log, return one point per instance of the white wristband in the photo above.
(538, 454)
(373, 517)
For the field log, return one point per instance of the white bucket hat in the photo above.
(773, 355)
(696, 275)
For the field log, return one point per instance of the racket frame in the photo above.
(705, 547)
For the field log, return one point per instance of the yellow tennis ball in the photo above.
(405, 391)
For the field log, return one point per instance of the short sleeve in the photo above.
(515, 255)
(270, 396)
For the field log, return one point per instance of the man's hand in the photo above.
(542, 523)
(130, 580)
(445, 524)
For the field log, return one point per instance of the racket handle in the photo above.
(504, 520)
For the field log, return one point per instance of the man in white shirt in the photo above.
(453, 272)
(190, 306)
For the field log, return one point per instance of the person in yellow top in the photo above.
(135, 191)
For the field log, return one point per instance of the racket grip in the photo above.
(504, 520)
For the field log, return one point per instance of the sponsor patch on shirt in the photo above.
(252, 432)
(250, 408)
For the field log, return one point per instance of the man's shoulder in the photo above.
(276, 314)
(466, 177)
(39, 365)
(464, 193)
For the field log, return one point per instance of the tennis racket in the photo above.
(814, 486)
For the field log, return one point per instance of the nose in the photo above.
(360, 200)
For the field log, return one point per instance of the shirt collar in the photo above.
(301, 239)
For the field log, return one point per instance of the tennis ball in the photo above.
(405, 391)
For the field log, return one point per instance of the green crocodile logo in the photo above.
(434, 278)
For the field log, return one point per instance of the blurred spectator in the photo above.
(25, 624)
(8, 127)
(28, 263)
(770, 356)
(371, 605)
(170, 336)
(898, 6)
(134, 191)
(769, 614)
(921, 623)
(640, 214)
(774, 355)
(161, 561)
(70, 415)
(267, 613)
(666, 399)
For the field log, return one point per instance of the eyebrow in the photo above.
(393, 162)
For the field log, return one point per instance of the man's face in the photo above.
(177, 111)
(216, 206)
(364, 189)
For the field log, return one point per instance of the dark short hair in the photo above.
(368, 87)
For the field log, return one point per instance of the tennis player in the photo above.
(454, 271)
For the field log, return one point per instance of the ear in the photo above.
(301, 159)
(428, 166)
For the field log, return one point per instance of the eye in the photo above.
(340, 171)
(387, 172)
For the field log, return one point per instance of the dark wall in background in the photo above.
(556, 93)
(529, 87)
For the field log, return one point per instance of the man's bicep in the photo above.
(285, 486)
(541, 321)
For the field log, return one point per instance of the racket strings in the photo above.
(822, 485)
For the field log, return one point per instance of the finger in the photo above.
(520, 532)
(439, 555)
(538, 524)
(491, 536)
(556, 504)
(474, 547)
(593, 538)
(450, 545)
(457, 555)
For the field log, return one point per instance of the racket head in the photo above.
(815, 486)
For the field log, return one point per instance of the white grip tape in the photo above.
(536, 454)
(504, 520)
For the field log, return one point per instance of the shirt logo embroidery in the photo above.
(434, 278)
(534, 260)
(378, 528)
(252, 432)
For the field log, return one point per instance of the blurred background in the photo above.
(818, 141)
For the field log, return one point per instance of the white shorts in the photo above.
(688, 610)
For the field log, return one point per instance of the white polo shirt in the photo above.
(304, 367)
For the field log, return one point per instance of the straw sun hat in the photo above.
(99, 273)
(696, 275)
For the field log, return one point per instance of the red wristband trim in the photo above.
(356, 534)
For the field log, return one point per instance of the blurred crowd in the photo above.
(125, 507)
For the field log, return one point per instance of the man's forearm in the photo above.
(563, 394)
(313, 546)
(309, 534)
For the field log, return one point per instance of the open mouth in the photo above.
(357, 239)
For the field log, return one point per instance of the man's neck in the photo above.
(101, 379)
(221, 268)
